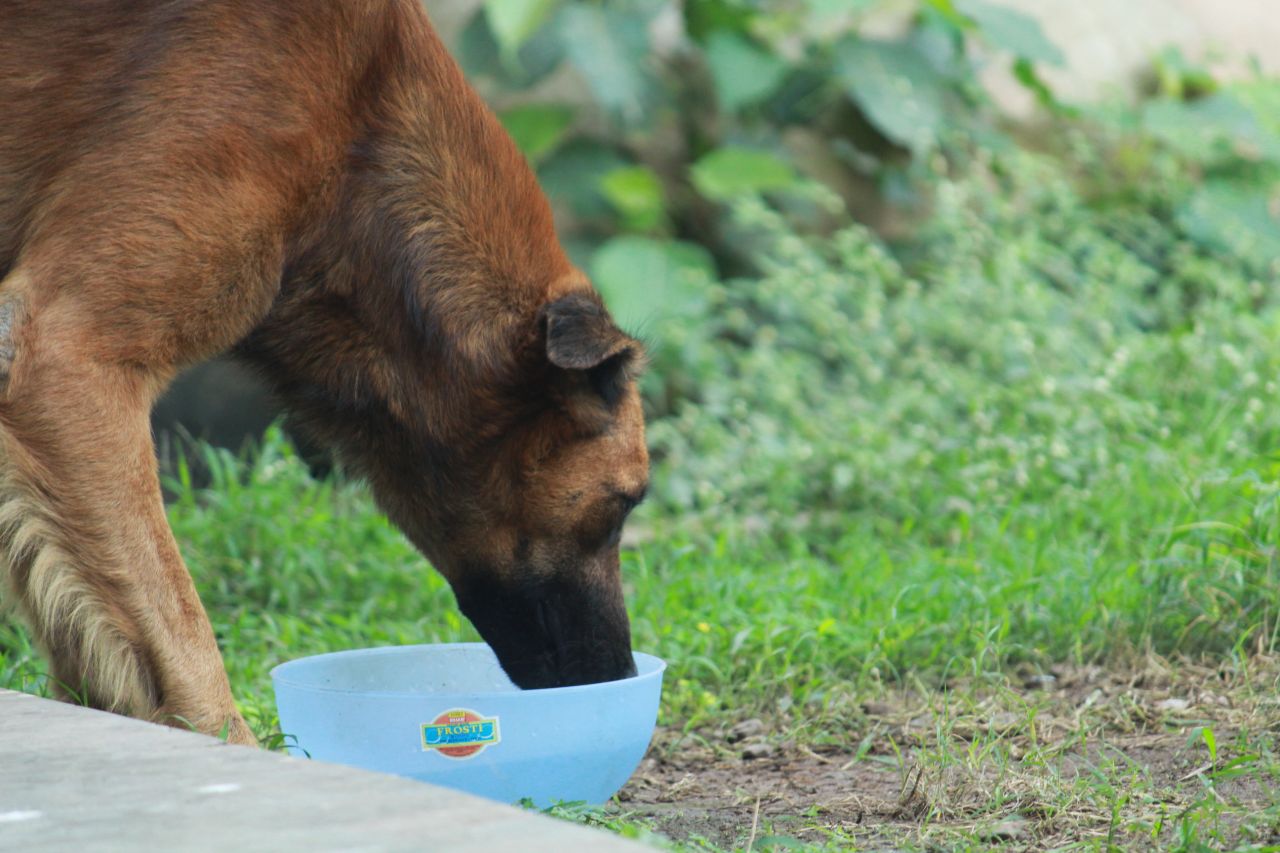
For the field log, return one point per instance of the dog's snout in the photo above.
(554, 635)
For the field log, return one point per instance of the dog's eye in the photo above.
(630, 500)
(610, 529)
(604, 527)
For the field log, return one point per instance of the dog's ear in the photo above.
(582, 337)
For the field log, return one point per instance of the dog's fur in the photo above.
(312, 185)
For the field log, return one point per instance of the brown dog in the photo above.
(313, 185)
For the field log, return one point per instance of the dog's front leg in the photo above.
(88, 551)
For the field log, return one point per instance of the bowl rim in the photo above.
(658, 665)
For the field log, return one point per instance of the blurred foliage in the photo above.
(647, 118)
(1025, 349)
(1207, 153)
(799, 353)
(1016, 347)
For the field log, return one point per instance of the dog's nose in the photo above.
(605, 665)
(557, 637)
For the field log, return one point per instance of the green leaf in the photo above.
(1024, 71)
(706, 16)
(611, 48)
(1237, 217)
(1177, 77)
(477, 51)
(897, 89)
(636, 193)
(729, 172)
(946, 10)
(816, 22)
(1209, 128)
(743, 73)
(537, 128)
(1211, 742)
(833, 8)
(1262, 98)
(571, 175)
(1014, 31)
(645, 280)
(514, 21)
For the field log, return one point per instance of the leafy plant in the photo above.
(1224, 145)
(650, 117)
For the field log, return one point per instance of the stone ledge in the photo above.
(74, 778)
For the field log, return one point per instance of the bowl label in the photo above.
(460, 733)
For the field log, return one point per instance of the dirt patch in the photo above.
(700, 796)
(1041, 761)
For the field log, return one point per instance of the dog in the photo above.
(312, 186)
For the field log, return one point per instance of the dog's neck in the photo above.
(415, 292)
(459, 190)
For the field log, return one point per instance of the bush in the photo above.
(1024, 349)
(647, 117)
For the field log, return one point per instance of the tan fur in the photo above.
(69, 621)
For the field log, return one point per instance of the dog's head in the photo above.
(513, 479)
(532, 550)
(433, 331)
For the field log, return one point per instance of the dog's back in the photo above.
(130, 125)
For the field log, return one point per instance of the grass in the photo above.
(892, 489)
(803, 634)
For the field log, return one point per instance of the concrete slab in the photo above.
(76, 779)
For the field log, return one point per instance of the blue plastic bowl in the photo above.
(448, 714)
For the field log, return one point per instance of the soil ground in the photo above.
(1075, 757)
